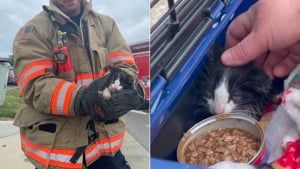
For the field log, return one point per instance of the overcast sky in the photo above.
(132, 17)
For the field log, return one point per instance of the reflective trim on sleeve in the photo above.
(118, 57)
(87, 78)
(84, 79)
(61, 98)
(32, 71)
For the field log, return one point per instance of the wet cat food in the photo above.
(222, 144)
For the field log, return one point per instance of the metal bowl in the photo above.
(237, 121)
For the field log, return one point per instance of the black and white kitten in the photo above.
(118, 80)
(221, 89)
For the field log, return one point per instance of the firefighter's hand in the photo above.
(89, 101)
(122, 102)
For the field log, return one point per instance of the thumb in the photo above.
(245, 51)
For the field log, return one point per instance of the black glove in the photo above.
(89, 101)
(121, 103)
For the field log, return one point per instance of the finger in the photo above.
(273, 59)
(295, 48)
(286, 66)
(259, 62)
(245, 51)
(239, 28)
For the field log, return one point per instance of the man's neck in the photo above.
(76, 18)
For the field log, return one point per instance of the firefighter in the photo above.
(60, 60)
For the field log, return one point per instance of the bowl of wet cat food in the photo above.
(225, 137)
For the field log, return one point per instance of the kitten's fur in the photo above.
(283, 127)
(220, 89)
(118, 80)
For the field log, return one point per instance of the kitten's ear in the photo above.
(112, 69)
(109, 67)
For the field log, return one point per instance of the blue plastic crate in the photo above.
(167, 94)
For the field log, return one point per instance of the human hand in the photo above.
(90, 101)
(269, 34)
(120, 103)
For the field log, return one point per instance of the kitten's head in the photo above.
(220, 89)
(119, 79)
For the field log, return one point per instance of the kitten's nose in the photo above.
(219, 108)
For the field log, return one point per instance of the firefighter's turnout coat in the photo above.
(50, 130)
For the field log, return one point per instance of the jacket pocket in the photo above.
(101, 54)
(42, 133)
(73, 133)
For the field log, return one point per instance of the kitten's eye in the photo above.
(209, 94)
(236, 97)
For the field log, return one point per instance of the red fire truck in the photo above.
(141, 55)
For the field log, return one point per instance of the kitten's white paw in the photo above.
(106, 94)
(231, 165)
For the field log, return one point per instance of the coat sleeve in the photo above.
(35, 73)
(119, 53)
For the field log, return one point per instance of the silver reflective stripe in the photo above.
(31, 71)
(62, 98)
(96, 149)
(47, 157)
(121, 58)
(100, 147)
(85, 81)
(116, 143)
(39, 153)
(63, 158)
